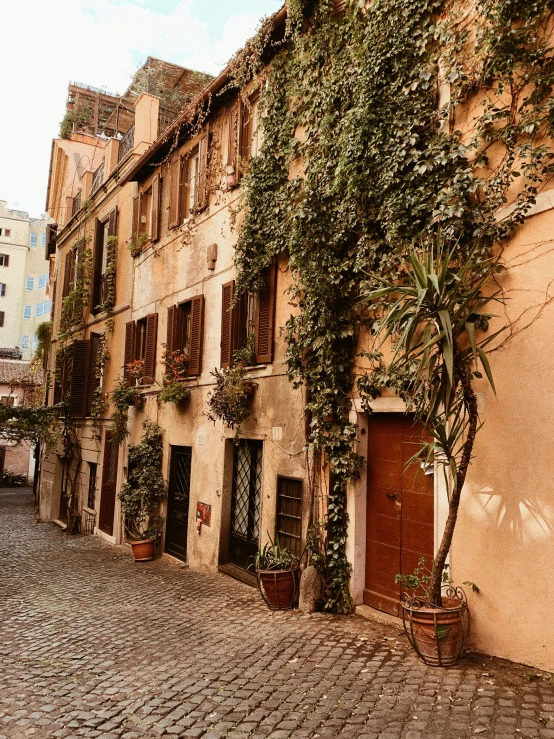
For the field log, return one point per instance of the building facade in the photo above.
(169, 205)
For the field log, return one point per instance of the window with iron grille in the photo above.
(91, 498)
(289, 514)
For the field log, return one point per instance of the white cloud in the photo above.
(46, 44)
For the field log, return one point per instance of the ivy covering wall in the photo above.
(382, 125)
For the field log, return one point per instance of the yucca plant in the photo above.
(437, 313)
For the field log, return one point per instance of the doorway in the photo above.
(245, 503)
(178, 499)
(109, 481)
(400, 509)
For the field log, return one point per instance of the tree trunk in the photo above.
(470, 403)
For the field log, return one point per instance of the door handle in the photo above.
(393, 496)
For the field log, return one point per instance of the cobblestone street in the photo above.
(94, 645)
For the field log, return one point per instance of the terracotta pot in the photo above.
(279, 588)
(143, 550)
(439, 635)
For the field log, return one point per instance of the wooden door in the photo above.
(400, 509)
(109, 481)
(245, 503)
(178, 499)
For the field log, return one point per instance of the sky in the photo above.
(101, 43)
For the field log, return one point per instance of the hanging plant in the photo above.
(176, 372)
(123, 397)
(229, 401)
(137, 243)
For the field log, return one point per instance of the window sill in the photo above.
(255, 367)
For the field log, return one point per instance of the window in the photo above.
(42, 281)
(251, 136)
(289, 514)
(76, 381)
(252, 315)
(140, 345)
(1, 318)
(244, 138)
(185, 331)
(7, 400)
(43, 238)
(27, 311)
(146, 211)
(2, 289)
(189, 183)
(35, 344)
(5, 232)
(25, 342)
(30, 283)
(39, 309)
(34, 239)
(4, 260)
(47, 306)
(105, 229)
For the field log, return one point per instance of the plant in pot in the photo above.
(277, 573)
(230, 399)
(176, 372)
(437, 309)
(142, 493)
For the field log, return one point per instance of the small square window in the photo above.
(25, 342)
(34, 239)
(27, 311)
(30, 283)
(5, 232)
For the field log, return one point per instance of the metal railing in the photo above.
(98, 178)
(165, 119)
(126, 143)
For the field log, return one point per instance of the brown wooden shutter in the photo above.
(196, 331)
(339, 6)
(235, 128)
(129, 352)
(150, 349)
(6, 260)
(93, 380)
(202, 194)
(112, 223)
(3, 290)
(79, 378)
(170, 344)
(265, 317)
(1, 318)
(174, 191)
(97, 269)
(156, 194)
(67, 274)
(136, 217)
(227, 324)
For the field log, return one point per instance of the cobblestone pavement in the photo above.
(94, 645)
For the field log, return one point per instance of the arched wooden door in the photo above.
(400, 509)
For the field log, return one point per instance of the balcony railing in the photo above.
(76, 205)
(98, 178)
(126, 144)
(165, 119)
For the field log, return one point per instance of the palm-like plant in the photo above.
(438, 312)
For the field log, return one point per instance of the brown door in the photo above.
(109, 480)
(400, 509)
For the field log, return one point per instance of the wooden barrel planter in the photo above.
(143, 550)
(279, 588)
(438, 635)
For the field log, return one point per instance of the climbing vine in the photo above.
(369, 147)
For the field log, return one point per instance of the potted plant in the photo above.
(437, 308)
(277, 573)
(176, 372)
(142, 493)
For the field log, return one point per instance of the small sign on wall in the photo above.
(204, 513)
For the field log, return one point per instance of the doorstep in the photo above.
(378, 616)
(238, 574)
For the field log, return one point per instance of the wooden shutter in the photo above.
(136, 217)
(3, 289)
(1, 318)
(97, 271)
(235, 128)
(339, 6)
(6, 260)
(202, 194)
(196, 331)
(227, 324)
(129, 352)
(174, 191)
(112, 223)
(93, 380)
(67, 274)
(150, 349)
(156, 193)
(265, 317)
(79, 378)
(170, 344)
